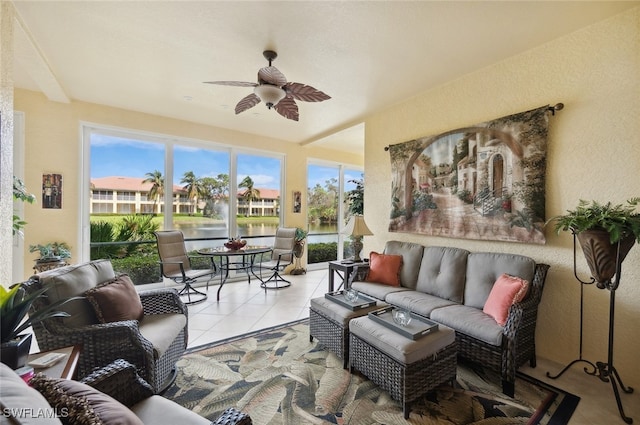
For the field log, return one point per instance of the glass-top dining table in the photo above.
(243, 259)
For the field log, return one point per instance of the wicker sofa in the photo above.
(451, 286)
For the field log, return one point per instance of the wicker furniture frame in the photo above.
(121, 381)
(105, 342)
(332, 335)
(518, 338)
(404, 382)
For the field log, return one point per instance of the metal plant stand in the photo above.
(606, 371)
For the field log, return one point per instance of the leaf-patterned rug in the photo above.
(278, 377)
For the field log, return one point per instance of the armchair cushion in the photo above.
(116, 300)
(15, 396)
(161, 330)
(158, 410)
(82, 404)
(72, 281)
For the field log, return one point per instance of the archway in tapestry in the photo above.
(485, 181)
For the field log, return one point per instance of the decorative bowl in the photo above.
(235, 244)
(401, 317)
(351, 295)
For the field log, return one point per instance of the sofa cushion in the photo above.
(470, 321)
(376, 290)
(16, 396)
(162, 329)
(75, 280)
(442, 272)
(484, 268)
(411, 259)
(384, 268)
(156, 410)
(116, 300)
(418, 302)
(506, 291)
(82, 404)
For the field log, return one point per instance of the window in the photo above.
(126, 177)
(326, 186)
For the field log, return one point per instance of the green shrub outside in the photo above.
(321, 252)
(141, 270)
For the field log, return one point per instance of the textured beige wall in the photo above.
(594, 153)
(52, 145)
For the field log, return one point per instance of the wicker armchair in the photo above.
(121, 381)
(153, 344)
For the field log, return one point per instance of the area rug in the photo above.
(278, 376)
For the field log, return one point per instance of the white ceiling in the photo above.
(153, 56)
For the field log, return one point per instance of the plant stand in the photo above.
(606, 371)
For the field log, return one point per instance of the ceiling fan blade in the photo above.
(271, 75)
(232, 83)
(305, 93)
(247, 102)
(287, 108)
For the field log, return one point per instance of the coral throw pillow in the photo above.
(384, 268)
(116, 300)
(506, 291)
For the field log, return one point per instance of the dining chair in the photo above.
(281, 257)
(175, 264)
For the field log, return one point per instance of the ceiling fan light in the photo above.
(269, 94)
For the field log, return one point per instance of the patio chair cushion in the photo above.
(82, 403)
(116, 300)
(161, 330)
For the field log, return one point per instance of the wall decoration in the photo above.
(484, 181)
(52, 191)
(297, 201)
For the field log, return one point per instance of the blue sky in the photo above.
(113, 156)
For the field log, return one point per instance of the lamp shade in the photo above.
(356, 227)
(269, 94)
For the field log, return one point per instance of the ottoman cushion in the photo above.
(399, 347)
(338, 313)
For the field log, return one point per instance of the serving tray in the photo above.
(419, 326)
(362, 302)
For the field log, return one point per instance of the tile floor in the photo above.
(245, 307)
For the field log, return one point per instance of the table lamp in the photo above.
(356, 228)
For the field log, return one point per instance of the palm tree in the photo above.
(251, 194)
(192, 186)
(157, 186)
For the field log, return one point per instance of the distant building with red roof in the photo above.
(129, 195)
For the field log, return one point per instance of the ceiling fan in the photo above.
(273, 89)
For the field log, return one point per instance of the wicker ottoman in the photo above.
(329, 324)
(405, 368)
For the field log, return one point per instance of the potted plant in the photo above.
(298, 250)
(14, 306)
(606, 233)
(54, 251)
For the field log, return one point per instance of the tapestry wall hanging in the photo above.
(484, 181)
